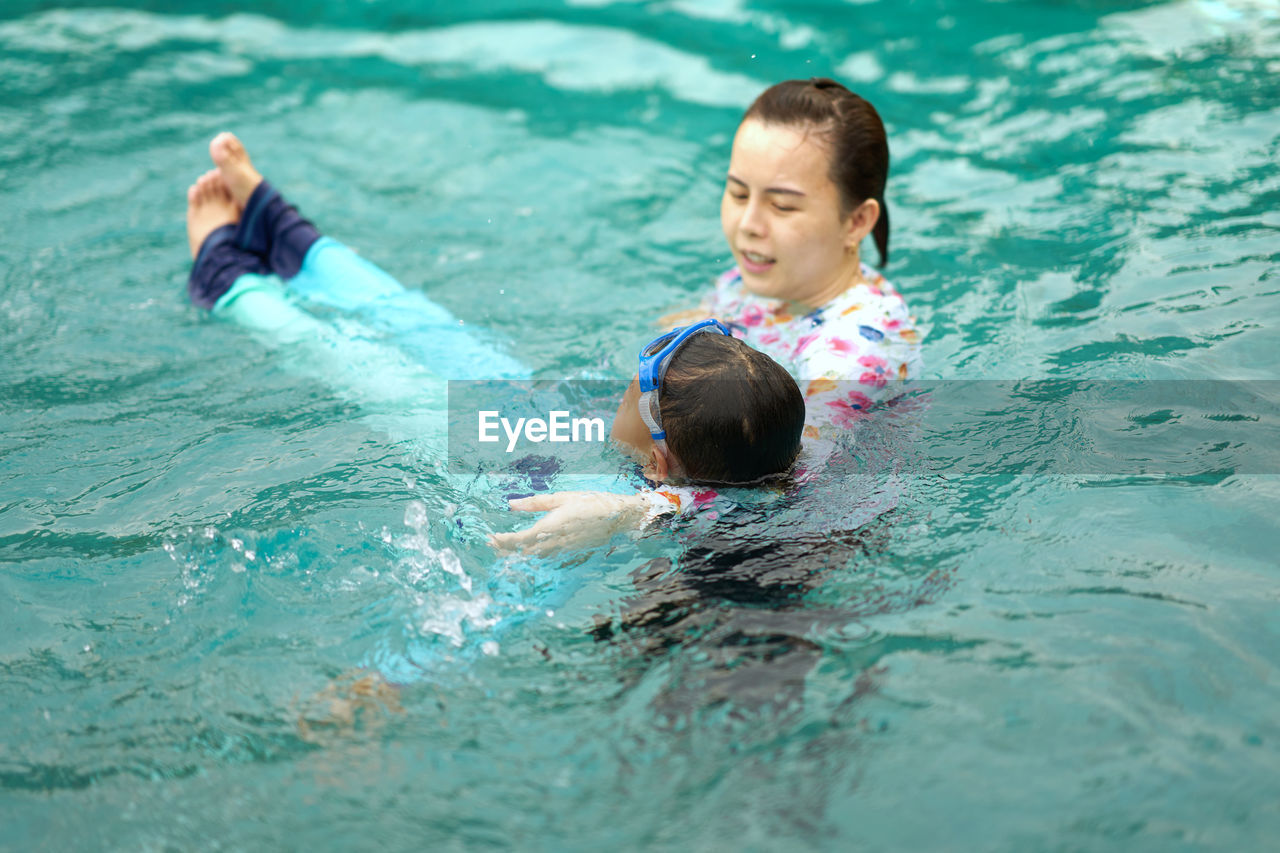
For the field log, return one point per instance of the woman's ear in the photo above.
(861, 222)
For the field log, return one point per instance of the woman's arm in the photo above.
(712, 304)
(682, 318)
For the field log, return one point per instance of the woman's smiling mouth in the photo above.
(754, 262)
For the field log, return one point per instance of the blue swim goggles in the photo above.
(654, 359)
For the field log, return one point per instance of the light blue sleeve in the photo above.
(397, 395)
(335, 276)
(389, 351)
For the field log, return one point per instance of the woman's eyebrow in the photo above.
(774, 190)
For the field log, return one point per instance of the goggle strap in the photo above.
(663, 349)
(645, 405)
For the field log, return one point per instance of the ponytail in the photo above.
(881, 232)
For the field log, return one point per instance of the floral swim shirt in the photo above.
(846, 355)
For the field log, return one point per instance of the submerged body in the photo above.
(253, 254)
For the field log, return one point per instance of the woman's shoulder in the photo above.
(874, 288)
(867, 327)
(874, 301)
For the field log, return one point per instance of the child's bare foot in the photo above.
(354, 698)
(235, 167)
(209, 206)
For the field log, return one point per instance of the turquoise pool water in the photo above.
(198, 535)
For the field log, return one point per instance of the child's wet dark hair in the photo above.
(853, 130)
(731, 413)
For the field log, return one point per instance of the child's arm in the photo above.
(577, 520)
(710, 305)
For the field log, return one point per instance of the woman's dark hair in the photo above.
(852, 129)
(731, 413)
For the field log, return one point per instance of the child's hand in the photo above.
(573, 520)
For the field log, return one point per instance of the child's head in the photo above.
(708, 408)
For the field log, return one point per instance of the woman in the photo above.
(804, 189)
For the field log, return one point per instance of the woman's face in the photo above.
(781, 215)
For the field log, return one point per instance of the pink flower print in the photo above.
(844, 346)
(850, 409)
(892, 324)
(752, 316)
(704, 497)
(768, 338)
(874, 377)
(804, 340)
(859, 401)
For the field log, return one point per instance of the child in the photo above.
(732, 414)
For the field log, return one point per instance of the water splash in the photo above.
(420, 558)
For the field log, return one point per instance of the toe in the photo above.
(218, 147)
(224, 147)
(205, 183)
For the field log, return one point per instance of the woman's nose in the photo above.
(753, 222)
